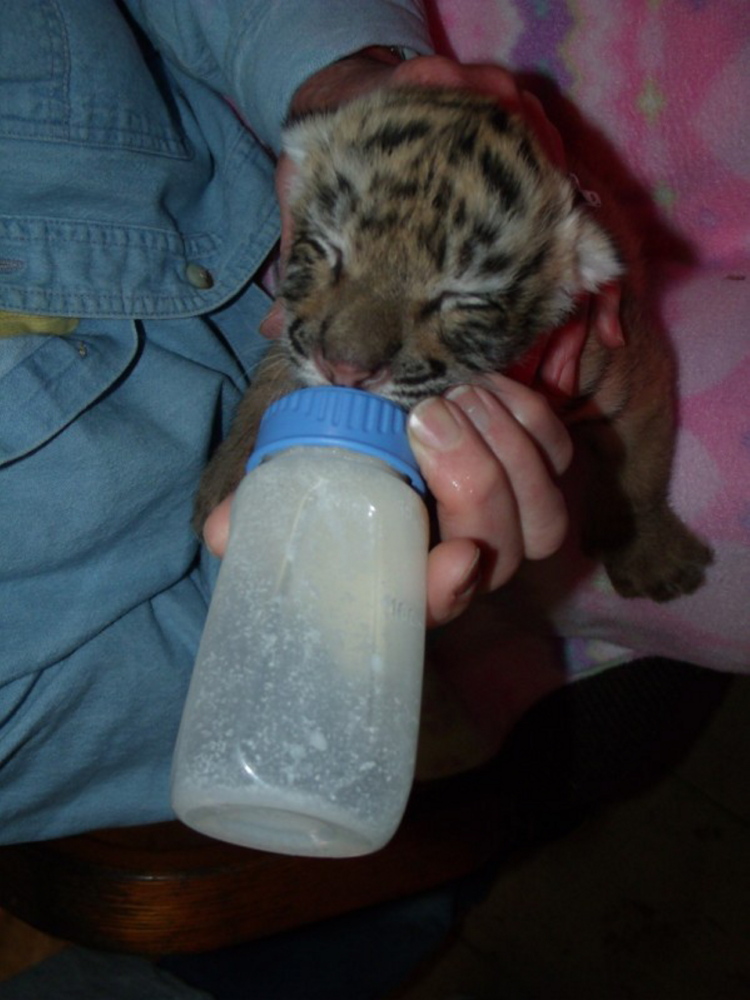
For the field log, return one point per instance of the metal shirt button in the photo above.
(199, 276)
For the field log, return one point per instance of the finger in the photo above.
(558, 373)
(443, 72)
(273, 323)
(284, 178)
(549, 137)
(541, 509)
(533, 412)
(216, 528)
(605, 315)
(453, 576)
(474, 498)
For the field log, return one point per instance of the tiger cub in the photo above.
(433, 244)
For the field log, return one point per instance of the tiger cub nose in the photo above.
(349, 374)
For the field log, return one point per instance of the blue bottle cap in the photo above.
(338, 417)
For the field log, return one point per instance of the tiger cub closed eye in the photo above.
(433, 244)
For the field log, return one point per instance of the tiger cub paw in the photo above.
(664, 560)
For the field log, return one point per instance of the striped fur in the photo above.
(433, 243)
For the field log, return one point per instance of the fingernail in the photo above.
(432, 425)
(468, 583)
(472, 401)
(458, 392)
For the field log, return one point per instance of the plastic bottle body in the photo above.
(299, 734)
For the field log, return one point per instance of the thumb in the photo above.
(453, 575)
(216, 528)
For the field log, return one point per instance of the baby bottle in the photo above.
(300, 728)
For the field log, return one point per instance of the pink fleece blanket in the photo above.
(658, 96)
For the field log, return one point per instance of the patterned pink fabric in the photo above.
(656, 95)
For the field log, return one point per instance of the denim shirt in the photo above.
(137, 201)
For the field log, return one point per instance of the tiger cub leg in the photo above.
(646, 549)
(224, 472)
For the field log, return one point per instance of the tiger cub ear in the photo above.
(299, 140)
(302, 134)
(293, 143)
(596, 260)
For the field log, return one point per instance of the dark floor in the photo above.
(647, 900)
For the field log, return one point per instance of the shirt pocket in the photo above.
(48, 381)
(82, 73)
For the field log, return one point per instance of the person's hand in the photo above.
(490, 459)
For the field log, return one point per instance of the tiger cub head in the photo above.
(433, 242)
